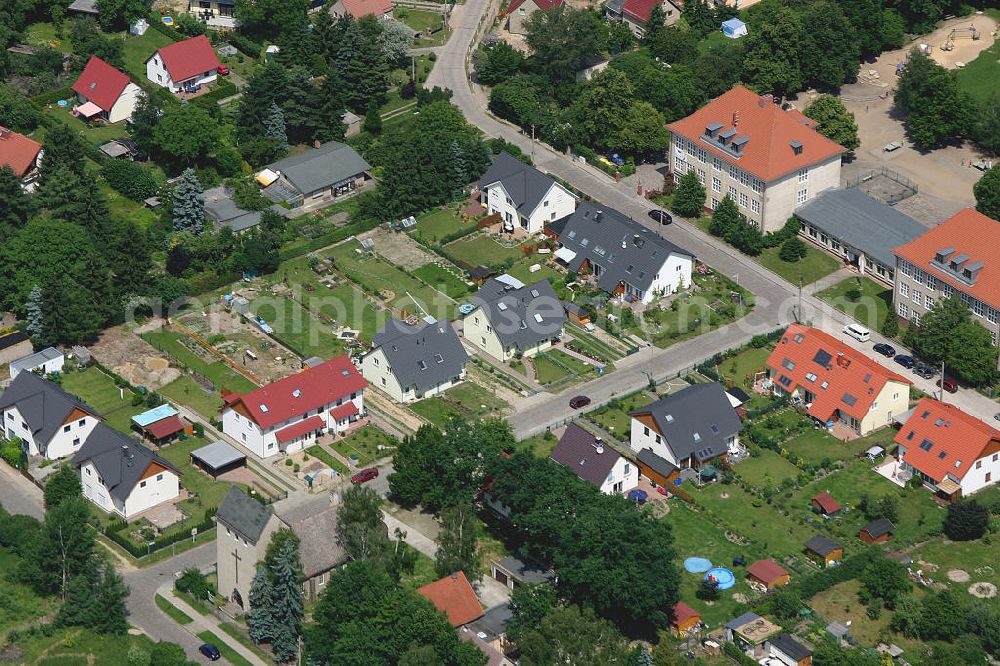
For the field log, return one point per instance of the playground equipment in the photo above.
(949, 44)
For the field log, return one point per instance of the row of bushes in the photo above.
(594, 159)
(245, 44)
(156, 24)
(850, 568)
(53, 96)
(455, 235)
(223, 89)
(137, 550)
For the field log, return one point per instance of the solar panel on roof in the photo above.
(823, 357)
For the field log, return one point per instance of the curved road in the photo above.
(777, 300)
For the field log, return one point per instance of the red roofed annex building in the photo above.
(360, 8)
(836, 383)
(959, 256)
(288, 414)
(635, 13)
(105, 92)
(518, 12)
(190, 62)
(454, 596)
(20, 153)
(767, 160)
(956, 453)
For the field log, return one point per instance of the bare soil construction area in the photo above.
(134, 359)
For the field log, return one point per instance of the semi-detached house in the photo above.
(511, 318)
(766, 159)
(287, 415)
(952, 451)
(627, 259)
(836, 383)
(51, 422)
(524, 197)
(190, 62)
(411, 362)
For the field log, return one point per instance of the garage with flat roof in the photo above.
(217, 458)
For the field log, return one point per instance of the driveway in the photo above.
(18, 495)
(777, 300)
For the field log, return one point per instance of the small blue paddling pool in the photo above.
(697, 565)
(722, 576)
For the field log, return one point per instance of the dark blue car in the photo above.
(210, 651)
(886, 350)
(905, 361)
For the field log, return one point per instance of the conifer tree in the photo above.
(36, 316)
(288, 605)
(274, 126)
(189, 205)
(260, 620)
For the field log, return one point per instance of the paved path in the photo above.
(207, 623)
(776, 299)
(18, 495)
(422, 543)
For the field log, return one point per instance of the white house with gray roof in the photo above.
(688, 428)
(510, 320)
(627, 259)
(51, 422)
(524, 197)
(412, 362)
(331, 171)
(123, 477)
(858, 230)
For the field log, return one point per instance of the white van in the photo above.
(858, 332)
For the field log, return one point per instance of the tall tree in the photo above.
(835, 122)
(96, 599)
(497, 63)
(458, 543)
(267, 86)
(186, 135)
(987, 192)
(63, 148)
(362, 69)
(568, 635)
(73, 313)
(289, 604)
(142, 124)
(189, 204)
(772, 62)
(725, 217)
(60, 193)
(564, 39)
(967, 520)
(260, 617)
(689, 196)
(528, 605)
(985, 130)
(699, 17)
(360, 530)
(395, 41)
(947, 333)
(36, 315)
(937, 109)
(63, 485)
(329, 108)
(64, 548)
(831, 53)
(274, 126)
(13, 203)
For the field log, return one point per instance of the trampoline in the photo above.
(697, 565)
(723, 576)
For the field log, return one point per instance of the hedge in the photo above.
(245, 44)
(141, 550)
(849, 569)
(223, 89)
(52, 97)
(737, 655)
(129, 178)
(156, 24)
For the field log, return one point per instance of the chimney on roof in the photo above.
(736, 118)
(454, 575)
(598, 445)
(765, 100)
(127, 455)
(842, 360)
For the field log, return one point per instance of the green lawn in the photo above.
(217, 372)
(814, 446)
(20, 605)
(740, 369)
(540, 445)
(813, 266)
(871, 308)
(443, 280)
(296, 327)
(468, 400)
(208, 493)
(981, 77)
(230, 655)
(44, 34)
(978, 558)
(521, 269)
(121, 206)
(435, 224)
(554, 365)
(78, 647)
(591, 345)
(614, 417)
(94, 135)
(330, 461)
(362, 444)
(136, 50)
(720, 301)
(766, 468)
(175, 613)
(481, 249)
(424, 22)
(187, 391)
(96, 389)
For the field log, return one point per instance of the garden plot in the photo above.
(398, 249)
(131, 357)
(482, 249)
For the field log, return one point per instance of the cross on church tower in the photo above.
(237, 558)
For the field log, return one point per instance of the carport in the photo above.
(217, 458)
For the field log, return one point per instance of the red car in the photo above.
(579, 402)
(223, 70)
(365, 475)
(950, 385)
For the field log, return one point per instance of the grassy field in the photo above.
(76, 647)
(217, 372)
(616, 419)
(443, 280)
(296, 327)
(95, 135)
(766, 468)
(696, 313)
(813, 266)
(424, 22)
(480, 249)
(187, 391)
(137, 49)
(981, 77)
(362, 444)
(871, 309)
(740, 370)
(119, 205)
(96, 389)
(540, 445)
(814, 446)
(175, 613)
(330, 461)
(44, 34)
(435, 224)
(468, 400)
(978, 558)
(521, 269)
(554, 366)
(230, 655)
(20, 604)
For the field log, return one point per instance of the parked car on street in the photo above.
(365, 475)
(948, 384)
(924, 370)
(210, 651)
(579, 402)
(905, 360)
(886, 350)
(661, 216)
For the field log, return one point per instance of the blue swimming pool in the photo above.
(724, 577)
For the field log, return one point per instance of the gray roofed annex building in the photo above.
(510, 320)
(625, 258)
(593, 461)
(525, 198)
(411, 362)
(319, 175)
(121, 476)
(858, 230)
(223, 211)
(688, 428)
(51, 422)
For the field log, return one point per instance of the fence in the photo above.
(894, 176)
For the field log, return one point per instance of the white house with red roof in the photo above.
(190, 62)
(956, 453)
(105, 92)
(767, 159)
(635, 13)
(959, 256)
(288, 415)
(21, 154)
(518, 12)
(836, 383)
